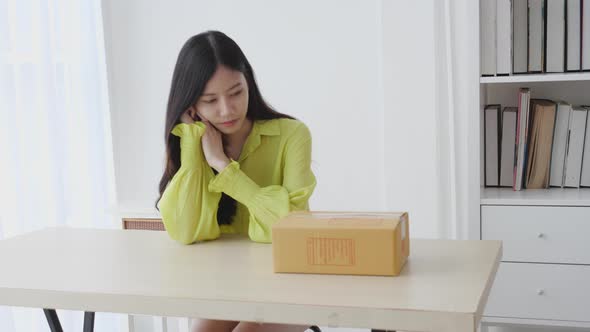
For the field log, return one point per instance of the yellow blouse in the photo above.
(271, 178)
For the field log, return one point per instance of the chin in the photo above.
(227, 131)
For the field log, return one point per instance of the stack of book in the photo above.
(534, 36)
(538, 144)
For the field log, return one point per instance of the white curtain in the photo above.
(56, 163)
(456, 97)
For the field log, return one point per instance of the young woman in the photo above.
(233, 164)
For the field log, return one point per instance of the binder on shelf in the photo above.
(536, 35)
(492, 145)
(585, 34)
(555, 50)
(560, 136)
(585, 177)
(508, 146)
(487, 17)
(520, 39)
(573, 159)
(573, 31)
(503, 37)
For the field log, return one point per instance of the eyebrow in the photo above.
(234, 86)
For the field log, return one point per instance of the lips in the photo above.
(229, 123)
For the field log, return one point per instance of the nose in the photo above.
(224, 107)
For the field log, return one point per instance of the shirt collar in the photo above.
(259, 128)
(267, 127)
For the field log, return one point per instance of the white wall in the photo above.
(336, 65)
(314, 62)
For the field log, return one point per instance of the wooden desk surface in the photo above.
(443, 287)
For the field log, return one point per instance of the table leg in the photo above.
(55, 325)
(52, 320)
(88, 321)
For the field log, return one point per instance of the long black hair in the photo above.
(198, 60)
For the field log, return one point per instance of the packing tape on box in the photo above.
(347, 215)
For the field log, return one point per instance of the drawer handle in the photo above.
(540, 292)
(541, 235)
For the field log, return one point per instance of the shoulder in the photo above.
(293, 129)
(286, 130)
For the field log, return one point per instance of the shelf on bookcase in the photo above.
(550, 197)
(548, 77)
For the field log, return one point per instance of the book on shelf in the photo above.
(585, 174)
(536, 35)
(585, 34)
(492, 146)
(539, 144)
(585, 177)
(555, 50)
(560, 138)
(573, 158)
(488, 37)
(507, 147)
(520, 10)
(573, 33)
(503, 37)
(524, 97)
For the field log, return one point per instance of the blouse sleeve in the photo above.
(188, 208)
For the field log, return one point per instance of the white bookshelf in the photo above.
(541, 228)
(534, 223)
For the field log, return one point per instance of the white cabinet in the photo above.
(541, 291)
(545, 234)
(544, 277)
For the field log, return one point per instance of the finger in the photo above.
(208, 124)
(211, 126)
(185, 118)
(190, 113)
(200, 117)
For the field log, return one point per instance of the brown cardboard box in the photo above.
(375, 243)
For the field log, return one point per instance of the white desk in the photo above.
(443, 287)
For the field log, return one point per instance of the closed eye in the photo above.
(236, 93)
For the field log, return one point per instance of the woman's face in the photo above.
(224, 102)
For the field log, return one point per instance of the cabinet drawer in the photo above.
(543, 234)
(541, 291)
